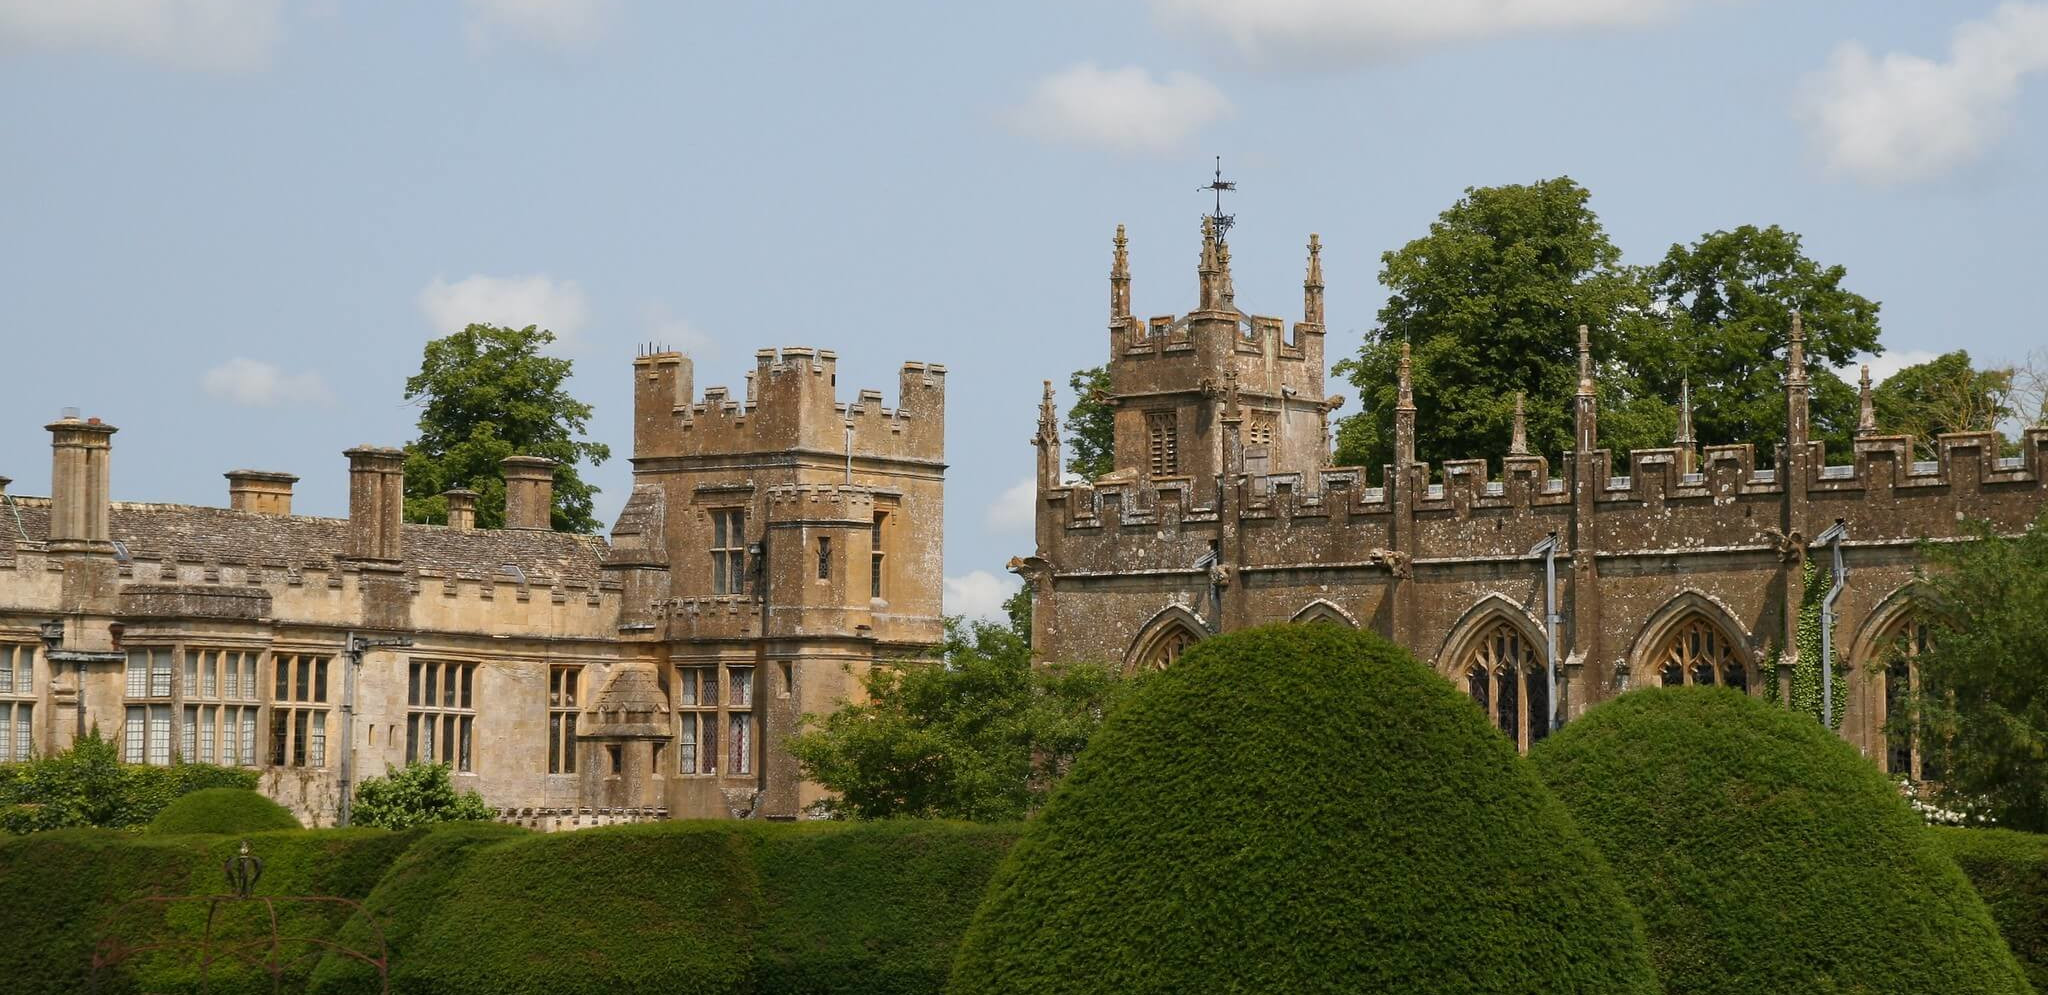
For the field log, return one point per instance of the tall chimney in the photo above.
(4, 481)
(79, 503)
(461, 508)
(376, 504)
(529, 492)
(260, 492)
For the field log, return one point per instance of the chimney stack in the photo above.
(260, 492)
(4, 481)
(376, 504)
(79, 501)
(461, 508)
(529, 492)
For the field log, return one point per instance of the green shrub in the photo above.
(874, 908)
(222, 810)
(415, 795)
(2010, 872)
(67, 888)
(1301, 808)
(87, 785)
(1766, 854)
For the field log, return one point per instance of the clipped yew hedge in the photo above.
(1766, 854)
(222, 810)
(2010, 872)
(1302, 808)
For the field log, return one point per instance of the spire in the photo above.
(1229, 291)
(1120, 280)
(1684, 439)
(1585, 364)
(1866, 417)
(1406, 401)
(1312, 287)
(1048, 416)
(1209, 268)
(1795, 356)
(1519, 445)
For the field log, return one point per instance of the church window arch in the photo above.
(1907, 749)
(1502, 670)
(1697, 652)
(1163, 640)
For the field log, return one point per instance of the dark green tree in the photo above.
(88, 785)
(486, 393)
(1723, 319)
(415, 795)
(1944, 394)
(979, 734)
(1982, 701)
(1091, 424)
(1490, 301)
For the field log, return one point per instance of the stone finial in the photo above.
(1048, 416)
(1406, 374)
(1226, 287)
(1585, 362)
(1684, 439)
(1312, 286)
(1866, 408)
(1207, 271)
(1519, 444)
(1120, 279)
(1795, 355)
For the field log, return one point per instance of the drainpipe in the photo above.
(352, 651)
(1548, 550)
(849, 454)
(1833, 539)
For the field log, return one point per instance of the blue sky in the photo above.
(230, 225)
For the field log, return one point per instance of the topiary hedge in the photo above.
(222, 810)
(2010, 872)
(1766, 854)
(1302, 808)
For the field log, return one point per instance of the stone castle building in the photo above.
(774, 546)
(1684, 568)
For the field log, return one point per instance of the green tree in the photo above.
(88, 785)
(1982, 700)
(415, 795)
(1091, 424)
(486, 393)
(1944, 394)
(1490, 301)
(979, 734)
(1723, 319)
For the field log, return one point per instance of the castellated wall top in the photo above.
(790, 403)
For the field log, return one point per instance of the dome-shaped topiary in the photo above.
(1766, 854)
(1301, 808)
(222, 810)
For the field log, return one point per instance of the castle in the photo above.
(774, 546)
(1539, 592)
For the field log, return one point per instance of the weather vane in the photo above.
(1219, 184)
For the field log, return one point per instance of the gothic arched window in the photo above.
(1505, 675)
(1165, 646)
(1905, 748)
(1698, 652)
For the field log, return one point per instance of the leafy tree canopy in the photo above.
(1723, 319)
(1982, 702)
(979, 734)
(486, 393)
(88, 785)
(1944, 394)
(415, 795)
(1091, 425)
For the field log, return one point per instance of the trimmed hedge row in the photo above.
(1302, 808)
(713, 907)
(2010, 872)
(1766, 854)
(222, 810)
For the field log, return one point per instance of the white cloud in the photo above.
(1125, 110)
(565, 24)
(1016, 509)
(1902, 117)
(257, 384)
(517, 301)
(218, 35)
(979, 594)
(1324, 33)
(1882, 367)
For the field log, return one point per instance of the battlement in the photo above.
(789, 403)
(821, 502)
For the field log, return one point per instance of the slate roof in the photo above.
(191, 533)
